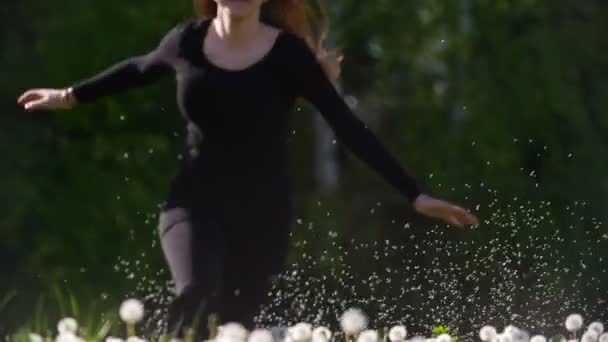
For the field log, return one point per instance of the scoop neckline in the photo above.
(201, 52)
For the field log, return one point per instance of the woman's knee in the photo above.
(169, 218)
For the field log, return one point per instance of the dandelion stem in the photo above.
(212, 324)
(130, 329)
(189, 335)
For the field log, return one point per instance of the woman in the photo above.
(239, 68)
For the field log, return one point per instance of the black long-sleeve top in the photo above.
(239, 118)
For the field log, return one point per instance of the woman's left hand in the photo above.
(444, 211)
(331, 62)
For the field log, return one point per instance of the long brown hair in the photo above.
(307, 19)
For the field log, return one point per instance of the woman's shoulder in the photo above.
(295, 48)
(178, 34)
(182, 26)
(294, 41)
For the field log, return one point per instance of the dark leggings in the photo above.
(220, 267)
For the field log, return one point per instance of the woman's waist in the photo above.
(204, 167)
(228, 157)
(253, 141)
(203, 181)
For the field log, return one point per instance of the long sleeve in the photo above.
(315, 87)
(132, 72)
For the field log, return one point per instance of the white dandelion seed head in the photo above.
(114, 339)
(35, 338)
(135, 339)
(518, 335)
(68, 337)
(227, 338)
(321, 334)
(444, 338)
(353, 321)
(603, 337)
(430, 340)
(418, 339)
(503, 338)
(590, 336)
(67, 325)
(232, 331)
(596, 327)
(368, 336)
(131, 311)
(301, 332)
(511, 330)
(398, 333)
(538, 338)
(260, 335)
(279, 333)
(574, 322)
(487, 333)
(298, 333)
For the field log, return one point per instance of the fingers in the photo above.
(451, 214)
(335, 55)
(28, 96)
(455, 221)
(474, 221)
(332, 56)
(340, 58)
(36, 104)
(464, 218)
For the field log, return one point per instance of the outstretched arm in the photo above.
(314, 85)
(129, 73)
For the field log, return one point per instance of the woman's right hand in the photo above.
(48, 99)
(445, 211)
(331, 61)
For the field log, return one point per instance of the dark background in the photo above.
(497, 105)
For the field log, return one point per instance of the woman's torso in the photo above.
(239, 124)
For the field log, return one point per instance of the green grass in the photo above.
(95, 322)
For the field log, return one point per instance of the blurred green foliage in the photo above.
(471, 95)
